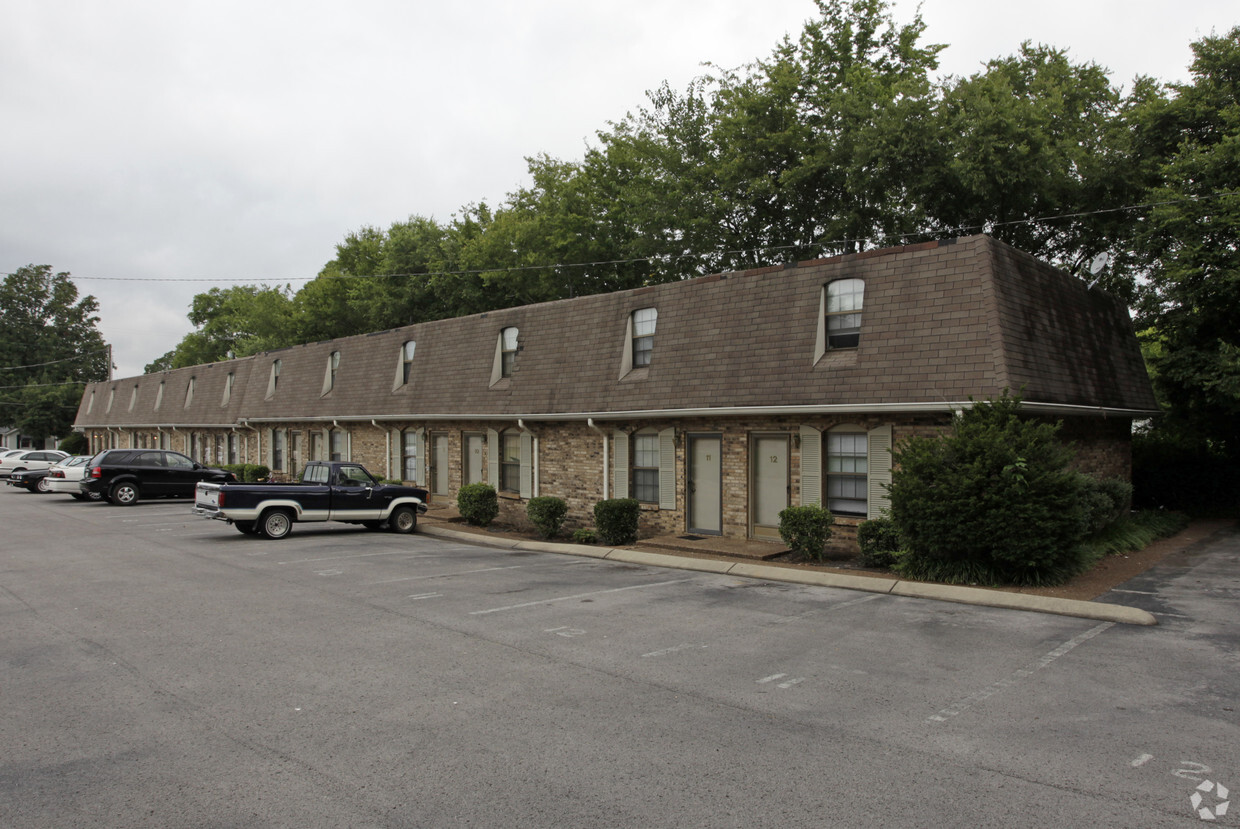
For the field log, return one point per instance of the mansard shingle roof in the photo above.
(942, 322)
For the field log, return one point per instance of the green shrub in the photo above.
(616, 520)
(75, 444)
(806, 529)
(248, 472)
(1136, 531)
(879, 541)
(478, 504)
(1105, 500)
(1171, 472)
(547, 513)
(992, 502)
(585, 536)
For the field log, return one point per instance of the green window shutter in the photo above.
(527, 465)
(667, 469)
(811, 466)
(493, 450)
(879, 444)
(620, 469)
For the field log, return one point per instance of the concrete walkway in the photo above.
(677, 553)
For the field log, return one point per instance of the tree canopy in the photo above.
(50, 346)
(841, 139)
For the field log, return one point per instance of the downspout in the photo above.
(175, 431)
(606, 459)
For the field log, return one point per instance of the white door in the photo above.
(768, 483)
(473, 459)
(705, 484)
(439, 462)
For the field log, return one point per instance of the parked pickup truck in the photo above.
(327, 491)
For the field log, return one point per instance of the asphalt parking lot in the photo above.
(162, 670)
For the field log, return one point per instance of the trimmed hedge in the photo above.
(616, 520)
(879, 541)
(248, 472)
(806, 529)
(547, 513)
(478, 504)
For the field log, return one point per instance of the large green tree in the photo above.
(1031, 137)
(240, 321)
(50, 346)
(1191, 243)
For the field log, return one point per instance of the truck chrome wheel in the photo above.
(403, 520)
(276, 523)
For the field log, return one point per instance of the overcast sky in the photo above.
(158, 148)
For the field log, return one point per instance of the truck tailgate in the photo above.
(207, 495)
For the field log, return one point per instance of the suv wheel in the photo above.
(124, 494)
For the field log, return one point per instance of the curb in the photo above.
(1099, 611)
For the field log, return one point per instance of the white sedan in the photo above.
(64, 477)
(30, 459)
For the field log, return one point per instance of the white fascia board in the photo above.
(938, 407)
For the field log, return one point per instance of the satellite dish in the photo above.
(1099, 262)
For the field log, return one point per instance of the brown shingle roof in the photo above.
(942, 322)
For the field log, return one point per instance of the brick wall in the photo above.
(570, 458)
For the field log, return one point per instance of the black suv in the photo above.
(125, 475)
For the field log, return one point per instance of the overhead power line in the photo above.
(825, 245)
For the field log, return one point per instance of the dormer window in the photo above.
(333, 367)
(274, 380)
(159, 395)
(508, 351)
(133, 397)
(111, 397)
(228, 384)
(406, 361)
(843, 312)
(189, 391)
(643, 335)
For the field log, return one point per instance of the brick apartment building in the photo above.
(715, 401)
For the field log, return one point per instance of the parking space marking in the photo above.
(577, 596)
(471, 572)
(673, 649)
(1007, 682)
(420, 596)
(840, 606)
(360, 555)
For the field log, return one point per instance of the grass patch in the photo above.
(1135, 532)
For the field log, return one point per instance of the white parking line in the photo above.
(989, 691)
(577, 596)
(471, 572)
(359, 555)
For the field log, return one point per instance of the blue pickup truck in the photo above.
(327, 491)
